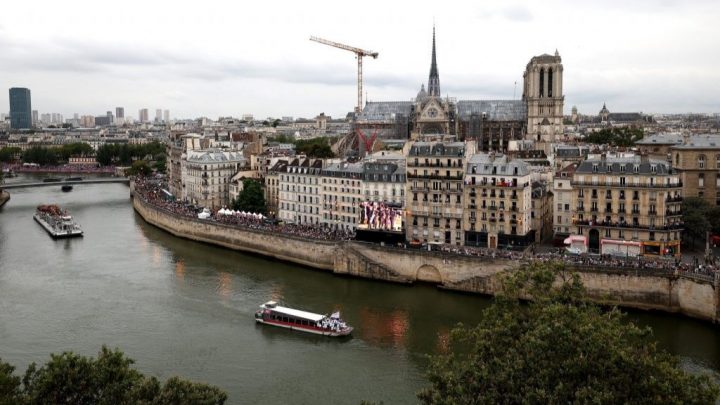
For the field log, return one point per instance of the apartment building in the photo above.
(384, 181)
(562, 202)
(206, 176)
(698, 162)
(434, 191)
(497, 195)
(341, 194)
(299, 195)
(627, 206)
(272, 187)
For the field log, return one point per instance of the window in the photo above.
(701, 180)
(701, 161)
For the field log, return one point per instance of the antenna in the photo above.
(514, 89)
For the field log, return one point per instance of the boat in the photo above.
(66, 187)
(273, 314)
(57, 222)
(51, 180)
(73, 179)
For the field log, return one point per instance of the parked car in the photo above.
(573, 251)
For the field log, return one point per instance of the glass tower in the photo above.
(20, 108)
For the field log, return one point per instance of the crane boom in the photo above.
(359, 54)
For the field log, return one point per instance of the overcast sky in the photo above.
(218, 58)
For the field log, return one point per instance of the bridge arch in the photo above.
(428, 273)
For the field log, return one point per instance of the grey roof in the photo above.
(586, 167)
(626, 116)
(384, 171)
(343, 169)
(452, 149)
(662, 139)
(214, 156)
(706, 141)
(495, 110)
(385, 110)
(486, 164)
(571, 151)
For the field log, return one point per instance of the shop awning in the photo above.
(574, 238)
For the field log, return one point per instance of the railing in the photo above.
(625, 185)
(435, 176)
(626, 225)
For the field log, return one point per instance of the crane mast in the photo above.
(359, 54)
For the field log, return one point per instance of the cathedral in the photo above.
(491, 123)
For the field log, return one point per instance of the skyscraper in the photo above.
(166, 116)
(35, 117)
(158, 115)
(119, 112)
(143, 115)
(20, 108)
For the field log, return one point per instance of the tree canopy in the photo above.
(69, 378)
(251, 198)
(558, 348)
(315, 147)
(125, 154)
(625, 137)
(699, 217)
(8, 153)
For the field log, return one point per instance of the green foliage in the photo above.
(40, 155)
(284, 139)
(8, 153)
(251, 198)
(315, 148)
(276, 122)
(69, 378)
(696, 218)
(625, 137)
(124, 154)
(160, 164)
(558, 348)
(75, 149)
(139, 168)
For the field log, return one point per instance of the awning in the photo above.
(620, 242)
(574, 238)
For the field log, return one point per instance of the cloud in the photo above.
(515, 13)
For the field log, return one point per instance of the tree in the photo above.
(558, 348)
(251, 198)
(696, 212)
(616, 136)
(315, 148)
(139, 168)
(8, 153)
(276, 122)
(69, 378)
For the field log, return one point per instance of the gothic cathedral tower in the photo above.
(543, 94)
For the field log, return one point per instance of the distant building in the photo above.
(698, 161)
(119, 112)
(206, 176)
(20, 108)
(158, 115)
(166, 116)
(299, 198)
(87, 121)
(35, 117)
(143, 115)
(102, 121)
(341, 194)
(658, 146)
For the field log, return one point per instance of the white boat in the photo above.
(57, 223)
(272, 314)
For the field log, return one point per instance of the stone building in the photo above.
(341, 194)
(698, 161)
(627, 206)
(272, 187)
(497, 202)
(658, 146)
(384, 181)
(543, 93)
(206, 176)
(562, 202)
(434, 191)
(299, 195)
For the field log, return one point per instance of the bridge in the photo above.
(10, 186)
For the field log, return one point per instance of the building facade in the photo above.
(272, 186)
(563, 202)
(299, 195)
(384, 181)
(497, 205)
(698, 161)
(543, 93)
(627, 206)
(341, 195)
(207, 175)
(434, 191)
(20, 108)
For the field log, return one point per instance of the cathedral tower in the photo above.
(434, 79)
(543, 93)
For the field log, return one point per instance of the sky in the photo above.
(228, 58)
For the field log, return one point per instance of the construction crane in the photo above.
(359, 54)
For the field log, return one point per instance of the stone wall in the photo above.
(634, 289)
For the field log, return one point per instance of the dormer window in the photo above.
(653, 168)
(595, 168)
(636, 168)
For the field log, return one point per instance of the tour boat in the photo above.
(57, 222)
(273, 314)
(66, 187)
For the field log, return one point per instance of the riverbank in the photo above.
(682, 294)
(67, 169)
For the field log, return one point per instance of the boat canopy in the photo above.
(296, 313)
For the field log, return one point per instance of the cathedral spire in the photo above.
(434, 80)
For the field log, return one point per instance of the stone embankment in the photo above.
(694, 297)
(4, 197)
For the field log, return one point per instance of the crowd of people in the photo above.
(151, 190)
(67, 168)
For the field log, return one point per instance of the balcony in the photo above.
(436, 176)
(624, 185)
(673, 199)
(513, 208)
(492, 208)
(673, 213)
(626, 225)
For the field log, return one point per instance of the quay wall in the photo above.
(4, 197)
(693, 297)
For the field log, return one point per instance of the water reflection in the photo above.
(180, 270)
(383, 328)
(224, 287)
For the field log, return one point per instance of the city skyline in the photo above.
(651, 56)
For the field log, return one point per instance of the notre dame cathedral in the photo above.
(492, 123)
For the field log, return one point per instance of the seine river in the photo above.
(184, 308)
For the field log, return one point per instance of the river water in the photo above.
(184, 308)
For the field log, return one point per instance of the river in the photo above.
(184, 308)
